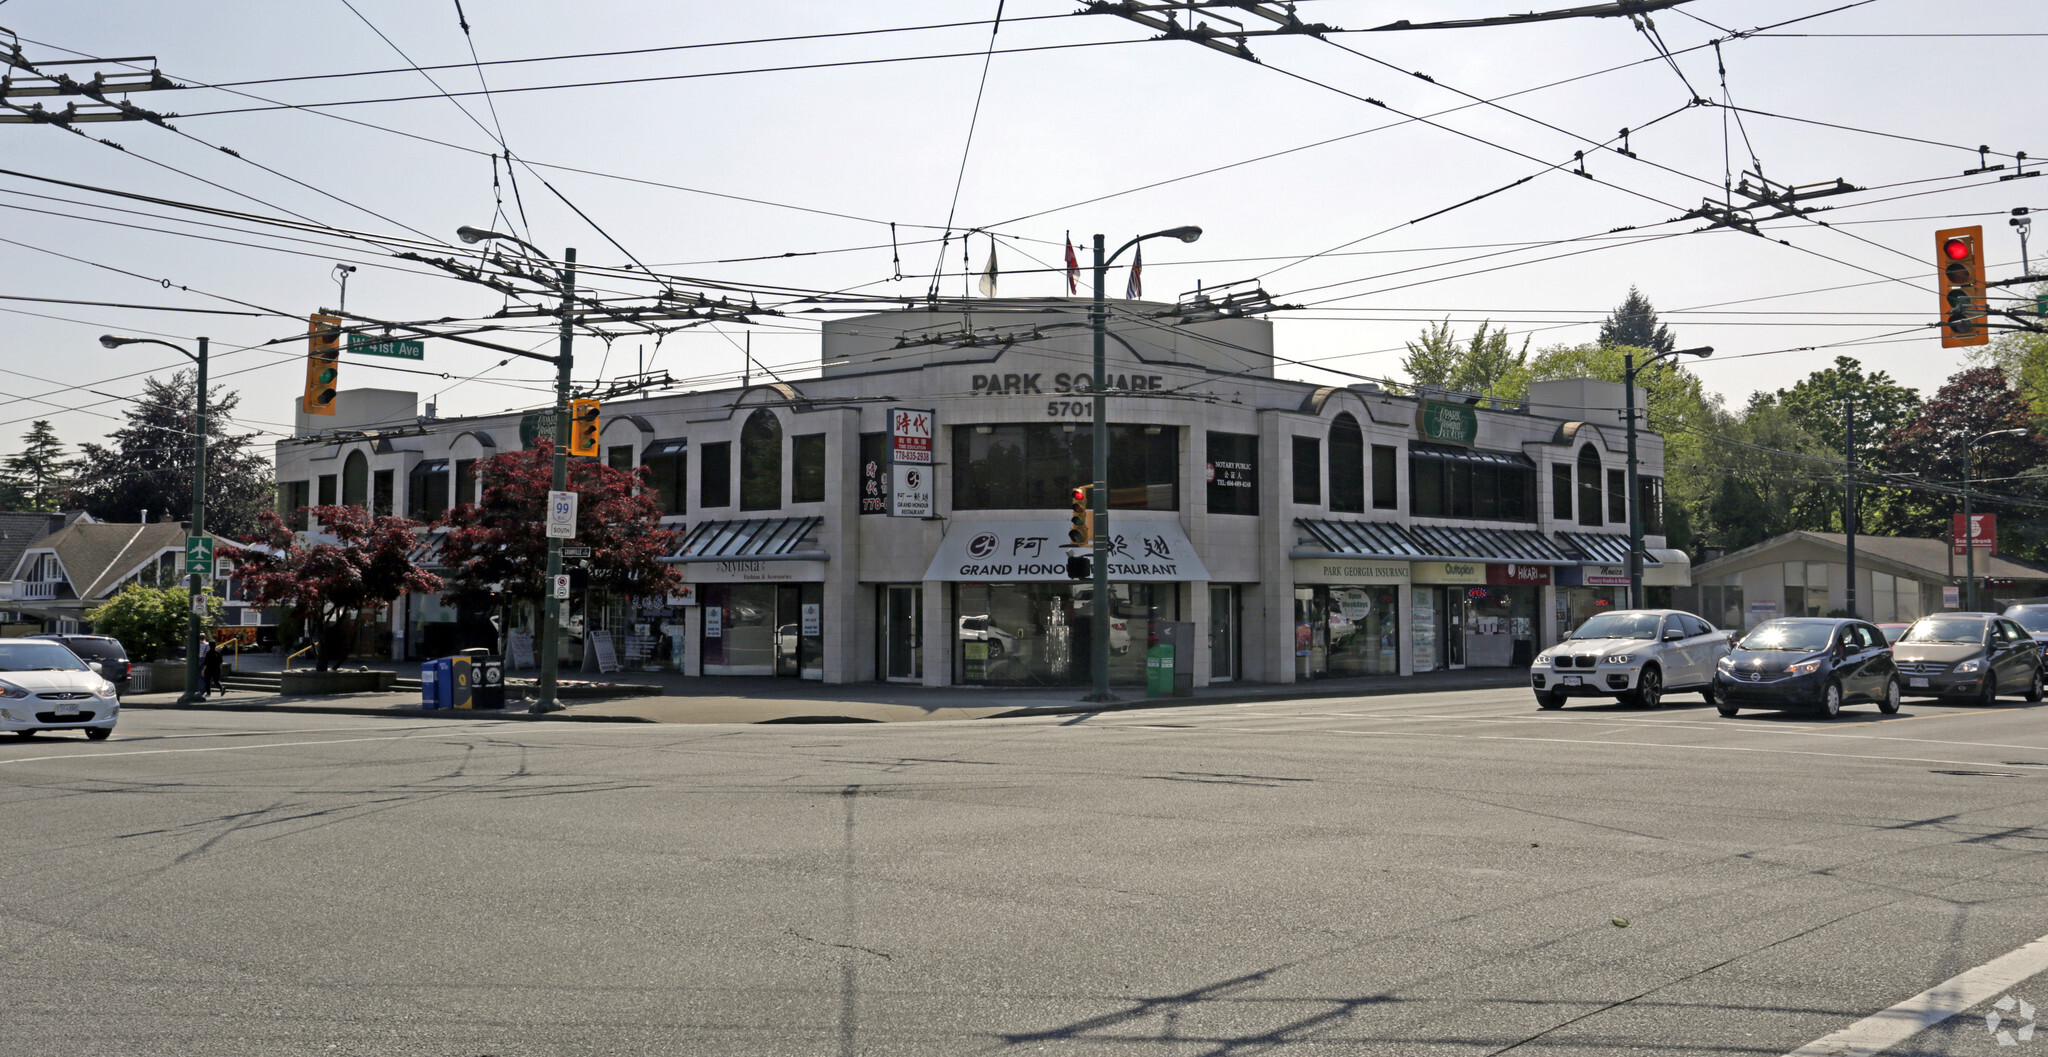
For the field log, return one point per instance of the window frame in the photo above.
(1307, 454)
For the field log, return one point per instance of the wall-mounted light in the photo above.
(1151, 431)
(984, 429)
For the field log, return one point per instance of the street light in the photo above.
(1970, 536)
(551, 607)
(1629, 367)
(1099, 608)
(115, 341)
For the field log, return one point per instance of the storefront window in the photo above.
(1038, 634)
(763, 629)
(1344, 630)
(1500, 626)
(1033, 466)
(1576, 605)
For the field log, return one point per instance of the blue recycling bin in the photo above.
(436, 683)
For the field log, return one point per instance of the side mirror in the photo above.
(1673, 635)
(94, 665)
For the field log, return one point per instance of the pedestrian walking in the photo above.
(209, 671)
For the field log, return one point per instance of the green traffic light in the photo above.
(325, 376)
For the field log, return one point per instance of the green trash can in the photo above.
(1159, 670)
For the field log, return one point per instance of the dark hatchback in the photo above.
(102, 650)
(1815, 664)
(1969, 655)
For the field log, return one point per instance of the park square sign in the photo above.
(1447, 423)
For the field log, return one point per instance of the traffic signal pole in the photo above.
(551, 607)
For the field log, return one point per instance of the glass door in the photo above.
(1457, 614)
(902, 617)
(1222, 633)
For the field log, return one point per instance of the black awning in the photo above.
(758, 538)
(1366, 539)
(1599, 548)
(662, 448)
(1489, 545)
(430, 466)
(1472, 456)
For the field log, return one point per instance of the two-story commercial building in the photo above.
(1308, 531)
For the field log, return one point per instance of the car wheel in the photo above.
(24, 734)
(99, 733)
(2034, 687)
(1548, 700)
(1719, 697)
(1894, 694)
(1989, 695)
(1831, 700)
(1650, 688)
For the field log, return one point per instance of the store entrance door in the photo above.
(1457, 613)
(902, 616)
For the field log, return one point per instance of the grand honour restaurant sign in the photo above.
(1016, 551)
(910, 462)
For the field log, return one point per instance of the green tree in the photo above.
(1634, 322)
(147, 464)
(1883, 408)
(1436, 358)
(1432, 359)
(149, 621)
(1763, 474)
(37, 475)
(1973, 402)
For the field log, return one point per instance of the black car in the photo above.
(1808, 663)
(1975, 656)
(2034, 618)
(102, 650)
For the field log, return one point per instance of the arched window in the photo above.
(1347, 466)
(761, 462)
(355, 480)
(1589, 486)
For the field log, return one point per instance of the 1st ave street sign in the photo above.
(364, 345)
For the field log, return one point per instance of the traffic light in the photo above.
(583, 423)
(1080, 532)
(323, 359)
(1960, 258)
(1081, 522)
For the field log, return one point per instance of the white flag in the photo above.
(988, 274)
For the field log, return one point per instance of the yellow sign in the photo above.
(1449, 573)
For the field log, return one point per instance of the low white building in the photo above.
(1307, 531)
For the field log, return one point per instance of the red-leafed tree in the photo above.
(1974, 402)
(353, 563)
(495, 551)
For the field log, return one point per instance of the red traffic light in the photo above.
(1956, 249)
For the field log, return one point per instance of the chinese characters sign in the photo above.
(910, 462)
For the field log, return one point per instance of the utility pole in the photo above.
(1849, 489)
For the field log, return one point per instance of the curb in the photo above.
(404, 713)
(1520, 678)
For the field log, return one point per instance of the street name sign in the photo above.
(365, 345)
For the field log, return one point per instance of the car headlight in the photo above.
(1805, 667)
(1967, 666)
(11, 692)
(1726, 663)
(1619, 658)
(105, 689)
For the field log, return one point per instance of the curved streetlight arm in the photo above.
(2017, 432)
(472, 236)
(1187, 233)
(115, 341)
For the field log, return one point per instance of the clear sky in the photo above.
(729, 157)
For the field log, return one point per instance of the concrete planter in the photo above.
(157, 677)
(309, 683)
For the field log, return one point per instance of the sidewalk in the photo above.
(767, 700)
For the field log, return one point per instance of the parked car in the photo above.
(1636, 655)
(44, 686)
(1893, 631)
(1808, 663)
(2034, 618)
(977, 629)
(102, 650)
(1973, 655)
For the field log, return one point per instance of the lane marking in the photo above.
(1881, 1031)
(82, 757)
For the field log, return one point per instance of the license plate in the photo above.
(67, 709)
(1918, 681)
(1571, 680)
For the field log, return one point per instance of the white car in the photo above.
(44, 686)
(1636, 655)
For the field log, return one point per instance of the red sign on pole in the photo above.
(1983, 533)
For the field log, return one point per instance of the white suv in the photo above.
(44, 686)
(1637, 655)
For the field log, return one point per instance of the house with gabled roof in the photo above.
(56, 579)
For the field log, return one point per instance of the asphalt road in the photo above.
(1436, 874)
